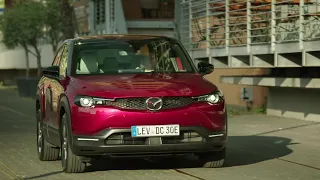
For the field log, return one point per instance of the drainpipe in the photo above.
(108, 17)
(177, 18)
(120, 20)
(91, 24)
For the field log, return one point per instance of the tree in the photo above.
(34, 18)
(23, 25)
(68, 30)
(54, 23)
(10, 27)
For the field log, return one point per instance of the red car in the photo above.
(128, 96)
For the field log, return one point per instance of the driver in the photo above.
(148, 61)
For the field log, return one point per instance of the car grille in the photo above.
(139, 103)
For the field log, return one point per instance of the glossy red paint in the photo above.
(88, 121)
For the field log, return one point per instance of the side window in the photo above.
(64, 62)
(57, 58)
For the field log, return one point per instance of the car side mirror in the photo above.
(205, 68)
(52, 71)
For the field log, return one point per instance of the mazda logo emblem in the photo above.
(154, 104)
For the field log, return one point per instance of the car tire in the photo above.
(46, 152)
(213, 159)
(71, 163)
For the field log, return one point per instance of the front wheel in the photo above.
(71, 163)
(45, 151)
(213, 159)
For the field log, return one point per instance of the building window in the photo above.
(148, 9)
(157, 8)
(100, 11)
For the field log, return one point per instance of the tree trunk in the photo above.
(27, 60)
(54, 47)
(39, 65)
(55, 39)
(67, 13)
(75, 23)
(38, 56)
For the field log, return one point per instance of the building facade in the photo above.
(266, 52)
(280, 36)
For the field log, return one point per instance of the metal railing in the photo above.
(207, 24)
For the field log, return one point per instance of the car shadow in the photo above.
(246, 150)
(241, 150)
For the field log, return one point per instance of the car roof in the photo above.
(123, 37)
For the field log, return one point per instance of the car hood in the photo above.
(142, 85)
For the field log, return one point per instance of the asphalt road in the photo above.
(259, 147)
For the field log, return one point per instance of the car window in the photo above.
(64, 62)
(116, 57)
(57, 58)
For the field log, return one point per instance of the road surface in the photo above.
(259, 147)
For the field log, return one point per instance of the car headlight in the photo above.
(212, 98)
(87, 101)
(84, 101)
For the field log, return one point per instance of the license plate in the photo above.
(153, 131)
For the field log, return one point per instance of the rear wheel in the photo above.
(71, 163)
(213, 159)
(45, 151)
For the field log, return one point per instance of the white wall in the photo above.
(15, 58)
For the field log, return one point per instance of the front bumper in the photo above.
(118, 142)
(91, 121)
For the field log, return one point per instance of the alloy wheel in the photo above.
(64, 148)
(39, 132)
(40, 138)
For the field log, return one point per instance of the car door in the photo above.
(48, 91)
(58, 87)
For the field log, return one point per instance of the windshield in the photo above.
(136, 56)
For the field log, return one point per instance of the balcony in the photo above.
(252, 33)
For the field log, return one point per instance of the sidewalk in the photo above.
(11, 101)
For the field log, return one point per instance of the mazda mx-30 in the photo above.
(128, 96)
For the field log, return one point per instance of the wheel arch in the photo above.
(40, 100)
(64, 108)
